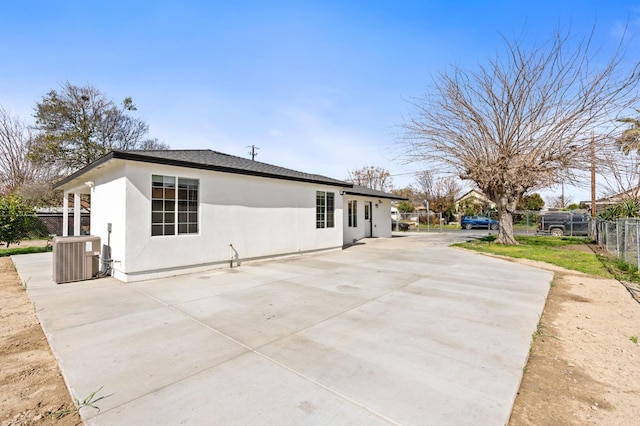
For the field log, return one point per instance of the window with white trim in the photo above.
(174, 208)
(325, 209)
(352, 213)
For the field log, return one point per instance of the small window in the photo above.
(330, 209)
(162, 212)
(353, 213)
(325, 209)
(174, 210)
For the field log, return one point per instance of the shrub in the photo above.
(15, 219)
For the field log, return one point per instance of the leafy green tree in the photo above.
(78, 125)
(405, 207)
(572, 206)
(531, 202)
(15, 219)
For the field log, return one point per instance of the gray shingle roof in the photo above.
(207, 159)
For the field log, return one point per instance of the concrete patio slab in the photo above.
(249, 390)
(133, 355)
(261, 315)
(393, 331)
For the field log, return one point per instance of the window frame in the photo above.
(325, 209)
(352, 213)
(177, 211)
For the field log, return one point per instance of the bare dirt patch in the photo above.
(584, 368)
(589, 247)
(32, 390)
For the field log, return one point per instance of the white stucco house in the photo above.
(169, 212)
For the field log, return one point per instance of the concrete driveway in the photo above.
(401, 331)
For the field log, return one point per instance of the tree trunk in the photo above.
(506, 206)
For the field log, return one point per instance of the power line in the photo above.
(404, 174)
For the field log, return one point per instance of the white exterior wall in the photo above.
(381, 218)
(261, 217)
(108, 205)
(381, 214)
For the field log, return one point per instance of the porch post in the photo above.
(65, 215)
(76, 213)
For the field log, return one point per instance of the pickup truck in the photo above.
(564, 223)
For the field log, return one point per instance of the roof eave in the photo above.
(109, 156)
(123, 155)
(388, 197)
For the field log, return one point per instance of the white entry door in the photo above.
(368, 220)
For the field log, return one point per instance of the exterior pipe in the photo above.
(231, 253)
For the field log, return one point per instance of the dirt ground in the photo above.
(584, 368)
(32, 390)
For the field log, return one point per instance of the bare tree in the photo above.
(425, 183)
(18, 174)
(620, 173)
(15, 167)
(371, 177)
(620, 163)
(559, 201)
(524, 120)
(441, 193)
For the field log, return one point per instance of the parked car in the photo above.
(564, 223)
(469, 222)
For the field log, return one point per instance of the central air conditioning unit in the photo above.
(75, 258)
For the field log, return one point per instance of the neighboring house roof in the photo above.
(368, 192)
(613, 199)
(477, 195)
(207, 159)
(620, 196)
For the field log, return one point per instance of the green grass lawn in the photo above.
(22, 250)
(560, 251)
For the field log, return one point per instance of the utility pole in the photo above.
(253, 152)
(593, 176)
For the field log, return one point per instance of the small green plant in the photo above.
(538, 331)
(57, 415)
(634, 339)
(91, 400)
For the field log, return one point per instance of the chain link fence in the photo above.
(621, 238)
(524, 221)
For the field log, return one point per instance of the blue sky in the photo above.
(318, 86)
